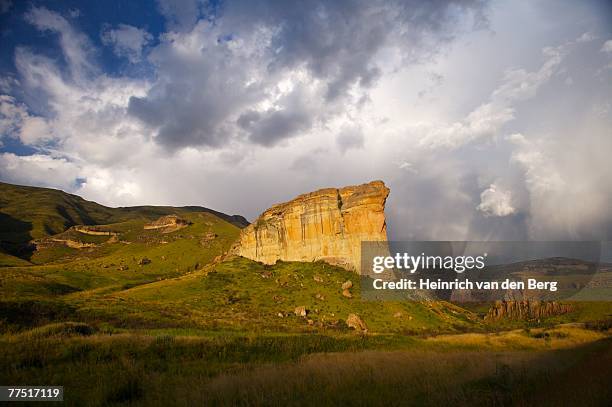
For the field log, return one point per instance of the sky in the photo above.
(488, 120)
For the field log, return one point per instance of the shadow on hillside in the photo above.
(15, 236)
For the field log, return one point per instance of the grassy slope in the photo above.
(245, 296)
(28, 213)
(108, 267)
(8, 260)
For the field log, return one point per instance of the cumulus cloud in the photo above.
(127, 41)
(567, 199)
(16, 122)
(495, 201)
(488, 119)
(607, 47)
(38, 169)
(263, 101)
(265, 73)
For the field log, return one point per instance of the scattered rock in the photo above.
(318, 278)
(266, 274)
(320, 297)
(73, 244)
(310, 322)
(347, 285)
(144, 261)
(398, 314)
(301, 311)
(207, 239)
(353, 321)
(280, 315)
(93, 230)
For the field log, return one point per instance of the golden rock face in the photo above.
(327, 225)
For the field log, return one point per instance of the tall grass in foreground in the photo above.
(561, 366)
(562, 377)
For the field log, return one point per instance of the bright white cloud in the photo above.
(488, 119)
(495, 201)
(607, 47)
(39, 169)
(16, 122)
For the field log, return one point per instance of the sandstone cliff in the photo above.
(327, 225)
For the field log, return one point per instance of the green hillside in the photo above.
(244, 296)
(28, 213)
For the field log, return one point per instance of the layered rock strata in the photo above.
(327, 225)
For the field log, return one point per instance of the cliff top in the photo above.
(376, 187)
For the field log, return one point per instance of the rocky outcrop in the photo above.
(327, 225)
(93, 231)
(167, 224)
(526, 310)
(353, 321)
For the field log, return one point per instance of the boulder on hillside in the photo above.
(144, 261)
(301, 311)
(346, 286)
(353, 321)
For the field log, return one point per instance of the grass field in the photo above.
(521, 367)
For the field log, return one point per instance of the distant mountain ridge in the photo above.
(28, 213)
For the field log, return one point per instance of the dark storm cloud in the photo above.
(271, 126)
(212, 75)
(337, 41)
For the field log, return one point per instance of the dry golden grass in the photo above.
(410, 378)
(560, 337)
(522, 367)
